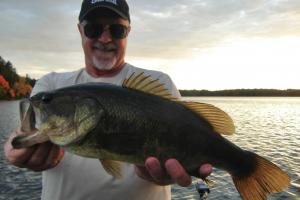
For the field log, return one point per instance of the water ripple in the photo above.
(267, 126)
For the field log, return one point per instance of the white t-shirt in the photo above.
(80, 178)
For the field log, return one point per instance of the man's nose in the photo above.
(105, 37)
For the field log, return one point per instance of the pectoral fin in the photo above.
(112, 167)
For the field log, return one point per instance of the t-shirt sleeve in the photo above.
(169, 84)
(45, 83)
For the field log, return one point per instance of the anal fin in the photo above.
(113, 168)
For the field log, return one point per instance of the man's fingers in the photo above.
(17, 156)
(157, 172)
(55, 156)
(39, 157)
(172, 172)
(45, 157)
(152, 171)
(205, 170)
(177, 173)
(154, 168)
(142, 172)
(20, 156)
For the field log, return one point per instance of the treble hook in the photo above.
(203, 189)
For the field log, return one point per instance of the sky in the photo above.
(201, 44)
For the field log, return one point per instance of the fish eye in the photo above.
(46, 98)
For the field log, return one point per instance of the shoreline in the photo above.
(242, 93)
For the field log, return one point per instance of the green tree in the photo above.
(8, 71)
(2, 62)
(30, 81)
(3, 93)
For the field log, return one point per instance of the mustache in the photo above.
(105, 47)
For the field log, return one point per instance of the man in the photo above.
(104, 26)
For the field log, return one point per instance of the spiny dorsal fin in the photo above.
(220, 121)
(112, 167)
(147, 84)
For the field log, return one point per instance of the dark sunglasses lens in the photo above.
(93, 30)
(118, 31)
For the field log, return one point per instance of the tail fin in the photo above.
(266, 179)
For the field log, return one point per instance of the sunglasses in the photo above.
(117, 31)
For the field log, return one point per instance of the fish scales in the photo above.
(138, 125)
(144, 124)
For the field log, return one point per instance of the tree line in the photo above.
(12, 85)
(244, 93)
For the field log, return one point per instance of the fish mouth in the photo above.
(62, 125)
(40, 116)
(27, 116)
(38, 103)
(23, 141)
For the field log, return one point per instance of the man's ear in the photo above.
(79, 28)
(129, 29)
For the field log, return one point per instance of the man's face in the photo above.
(104, 52)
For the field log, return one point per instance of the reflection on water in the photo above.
(267, 126)
(16, 184)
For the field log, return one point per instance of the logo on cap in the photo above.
(109, 1)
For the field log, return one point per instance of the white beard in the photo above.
(104, 64)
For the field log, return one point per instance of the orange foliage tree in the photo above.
(11, 84)
(4, 88)
(3, 83)
(22, 88)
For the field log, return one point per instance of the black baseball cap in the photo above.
(118, 6)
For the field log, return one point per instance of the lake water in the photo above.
(267, 126)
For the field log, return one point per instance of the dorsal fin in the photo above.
(148, 85)
(220, 120)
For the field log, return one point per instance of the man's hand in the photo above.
(173, 172)
(37, 158)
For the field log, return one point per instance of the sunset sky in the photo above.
(201, 44)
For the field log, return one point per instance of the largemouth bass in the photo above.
(141, 119)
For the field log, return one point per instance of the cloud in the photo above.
(37, 34)
(44, 33)
(37, 25)
(171, 28)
